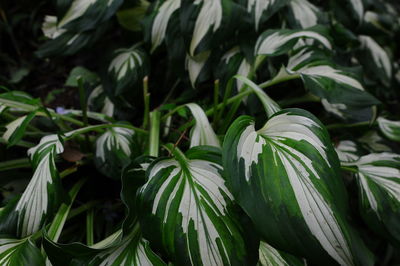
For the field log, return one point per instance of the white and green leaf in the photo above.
(278, 42)
(42, 194)
(19, 252)
(187, 210)
(125, 62)
(261, 10)
(374, 142)
(292, 150)
(269, 256)
(347, 151)
(357, 7)
(304, 13)
(195, 66)
(202, 132)
(378, 176)
(15, 130)
(389, 128)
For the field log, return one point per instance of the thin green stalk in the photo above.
(83, 103)
(146, 96)
(83, 208)
(221, 108)
(154, 138)
(349, 169)
(21, 143)
(103, 126)
(14, 164)
(302, 99)
(89, 227)
(216, 95)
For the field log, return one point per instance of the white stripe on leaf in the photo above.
(347, 151)
(195, 65)
(379, 56)
(304, 13)
(358, 8)
(161, 20)
(389, 128)
(202, 132)
(115, 139)
(125, 62)
(13, 127)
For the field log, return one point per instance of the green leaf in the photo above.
(378, 176)
(113, 151)
(202, 133)
(16, 129)
(270, 256)
(261, 10)
(43, 193)
(130, 18)
(347, 151)
(286, 177)
(389, 128)
(87, 76)
(278, 42)
(187, 210)
(20, 252)
(196, 67)
(374, 142)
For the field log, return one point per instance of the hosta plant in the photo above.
(210, 132)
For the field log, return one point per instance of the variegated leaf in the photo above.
(389, 128)
(186, 210)
(202, 132)
(378, 176)
(347, 151)
(304, 13)
(233, 62)
(19, 252)
(377, 58)
(291, 171)
(270, 106)
(98, 95)
(113, 151)
(195, 66)
(277, 42)
(15, 130)
(358, 8)
(342, 92)
(269, 256)
(261, 10)
(374, 142)
(161, 20)
(42, 195)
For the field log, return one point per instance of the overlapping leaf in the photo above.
(389, 128)
(378, 176)
(304, 14)
(285, 176)
(19, 252)
(186, 210)
(261, 10)
(270, 256)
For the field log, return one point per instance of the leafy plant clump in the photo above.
(207, 132)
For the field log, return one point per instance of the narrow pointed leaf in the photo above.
(16, 129)
(286, 177)
(19, 252)
(261, 10)
(278, 42)
(304, 13)
(202, 132)
(270, 256)
(187, 210)
(196, 67)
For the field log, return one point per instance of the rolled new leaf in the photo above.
(378, 176)
(187, 211)
(286, 178)
(389, 128)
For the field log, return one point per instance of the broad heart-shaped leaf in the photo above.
(19, 252)
(278, 42)
(125, 74)
(188, 212)
(202, 132)
(303, 14)
(261, 10)
(43, 193)
(389, 128)
(286, 178)
(270, 256)
(113, 151)
(378, 176)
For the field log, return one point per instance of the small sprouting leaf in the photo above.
(202, 132)
(19, 252)
(270, 256)
(389, 128)
(277, 42)
(261, 10)
(16, 129)
(304, 13)
(376, 58)
(43, 193)
(291, 171)
(87, 76)
(113, 151)
(378, 176)
(187, 210)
